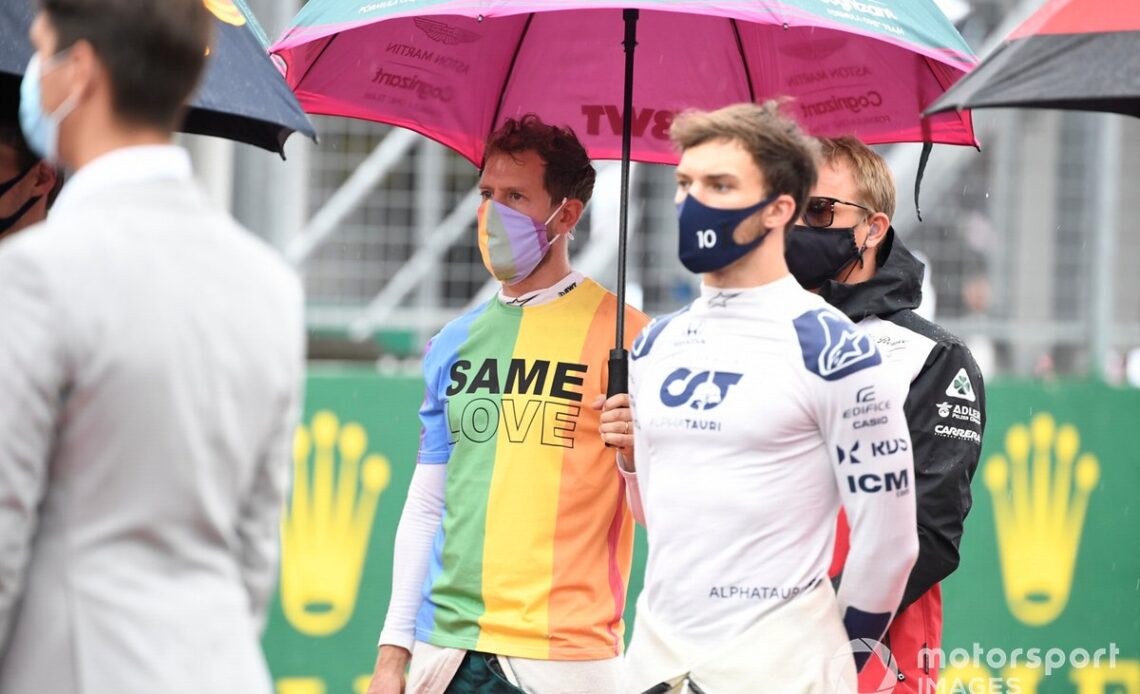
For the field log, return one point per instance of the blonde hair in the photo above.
(784, 154)
(874, 183)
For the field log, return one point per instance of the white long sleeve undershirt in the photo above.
(632, 490)
(423, 512)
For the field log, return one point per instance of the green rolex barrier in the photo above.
(1050, 569)
(1047, 598)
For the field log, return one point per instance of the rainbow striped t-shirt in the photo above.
(532, 556)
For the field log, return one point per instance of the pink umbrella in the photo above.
(454, 70)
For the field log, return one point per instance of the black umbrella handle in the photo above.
(619, 373)
(619, 357)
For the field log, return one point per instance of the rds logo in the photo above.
(702, 391)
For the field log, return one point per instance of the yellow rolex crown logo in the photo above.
(1040, 488)
(325, 534)
(226, 11)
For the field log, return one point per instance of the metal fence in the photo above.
(1027, 241)
(1009, 240)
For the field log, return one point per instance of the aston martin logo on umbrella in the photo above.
(445, 33)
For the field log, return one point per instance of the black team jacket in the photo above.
(945, 411)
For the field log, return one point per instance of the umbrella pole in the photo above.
(619, 357)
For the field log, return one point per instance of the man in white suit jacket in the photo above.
(150, 357)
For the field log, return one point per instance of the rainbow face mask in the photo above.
(512, 244)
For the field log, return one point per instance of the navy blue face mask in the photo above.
(706, 243)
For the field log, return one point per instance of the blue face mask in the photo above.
(706, 243)
(41, 130)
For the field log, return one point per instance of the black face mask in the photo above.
(817, 255)
(8, 222)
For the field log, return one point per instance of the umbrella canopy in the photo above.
(242, 96)
(454, 70)
(1071, 54)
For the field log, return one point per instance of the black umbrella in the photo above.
(242, 96)
(1071, 54)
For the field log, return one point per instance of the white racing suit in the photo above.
(757, 413)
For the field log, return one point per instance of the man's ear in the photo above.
(780, 213)
(879, 222)
(87, 69)
(569, 216)
(775, 216)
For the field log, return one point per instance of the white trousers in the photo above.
(800, 647)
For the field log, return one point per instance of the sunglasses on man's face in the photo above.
(819, 213)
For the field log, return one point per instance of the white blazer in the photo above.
(151, 352)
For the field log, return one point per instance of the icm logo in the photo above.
(883, 448)
(832, 347)
(702, 391)
(872, 483)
